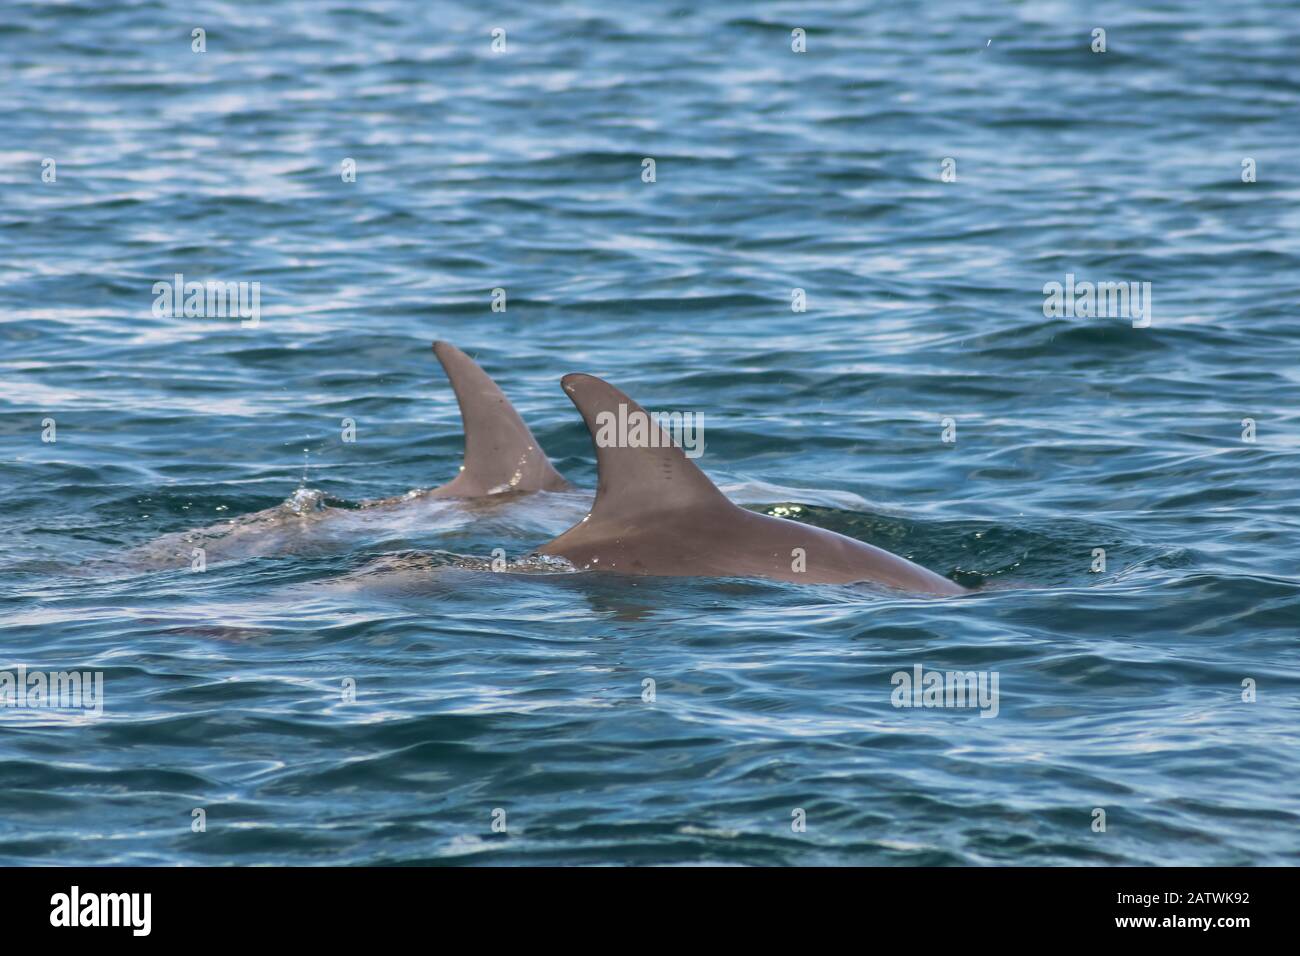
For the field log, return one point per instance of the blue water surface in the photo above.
(507, 718)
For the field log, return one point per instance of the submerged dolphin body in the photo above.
(657, 513)
(501, 455)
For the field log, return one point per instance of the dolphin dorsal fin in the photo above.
(650, 477)
(501, 454)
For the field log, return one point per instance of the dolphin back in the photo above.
(657, 513)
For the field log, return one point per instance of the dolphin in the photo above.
(501, 456)
(656, 513)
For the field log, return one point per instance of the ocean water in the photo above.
(505, 718)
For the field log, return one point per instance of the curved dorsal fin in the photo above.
(501, 454)
(654, 476)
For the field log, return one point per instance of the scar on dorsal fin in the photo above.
(656, 476)
(501, 454)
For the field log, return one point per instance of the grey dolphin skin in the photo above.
(501, 454)
(656, 513)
